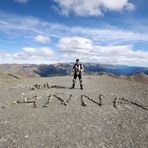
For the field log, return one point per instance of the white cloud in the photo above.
(102, 44)
(82, 48)
(29, 53)
(4, 55)
(37, 52)
(110, 34)
(21, 1)
(28, 27)
(86, 50)
(75, 44)
(92, 7)
(42, 39)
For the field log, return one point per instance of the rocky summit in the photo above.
(45, 112)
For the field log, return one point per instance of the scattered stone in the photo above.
(115, 102)
(14, 103)
(46, 85)
(100, 100)
(19, 101)
(47, 102)
(34, 104)
(125, 101)
(68, 100)
(35, 97)
(26, 136)
(61, 100)
(23, 94)
(140, 105)
(6, 122)
(94, 101)
(37, 86)
(32, 88)
(4, 107)
(28, 100)
(83, 103)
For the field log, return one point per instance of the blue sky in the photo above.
(52, 31)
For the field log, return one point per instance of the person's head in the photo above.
(77, 61)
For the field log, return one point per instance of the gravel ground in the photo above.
(73, 126)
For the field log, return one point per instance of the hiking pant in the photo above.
(75, 77)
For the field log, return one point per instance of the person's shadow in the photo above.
(62, 87)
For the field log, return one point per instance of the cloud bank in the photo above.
(104, 45)
(28, 54)
(88, 51)
(92, 7)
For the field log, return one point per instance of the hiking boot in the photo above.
(73, 86)
(81, 87)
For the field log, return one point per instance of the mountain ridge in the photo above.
(61, 69)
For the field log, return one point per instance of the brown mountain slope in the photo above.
(8, 71)
(139, 77)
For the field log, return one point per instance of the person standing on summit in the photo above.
(77, 68)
